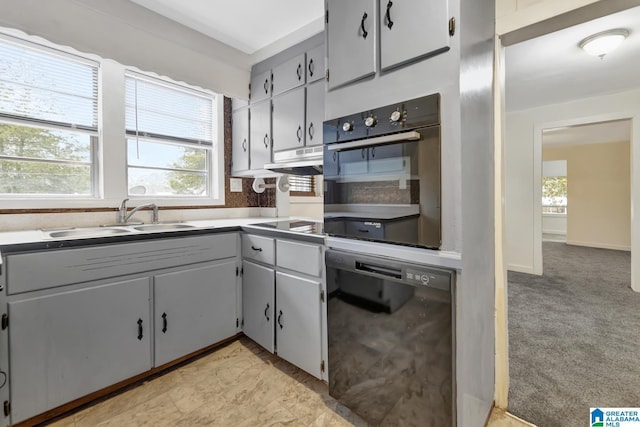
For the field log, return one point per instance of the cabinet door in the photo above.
(315, 64)
(260, 86)
(260, 135)
(240, 140)
(69, 344)
(288, 75)
(412, 30)
(315, 113)
(194, 308)
(258, 303)
(351, 40)
(288, 120)
(298, 330)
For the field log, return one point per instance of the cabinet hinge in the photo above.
(327, 76)
(326, 16)
(322, 366)
(242, 271)
(237, 322)
(322, 296)
(249, 90)
(7, 408)
(242, 323)
(237, 271)
(452, 26)
(5, 321)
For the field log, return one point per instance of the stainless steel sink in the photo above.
(86, 232)
(161, 227)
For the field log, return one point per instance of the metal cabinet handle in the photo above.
(363, 152)
(164, 323)
(256, 249)
(335, 154)
(299, 71)
(373, 151)
(279, 318)
(244, 145)
(266, 140)
(299, 133)
(388, 15)
(140, 329)
(311, 132)
(266, 85)
(266, 314)
(364, 32)
(310, 67)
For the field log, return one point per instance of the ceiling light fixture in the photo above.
(602, 43)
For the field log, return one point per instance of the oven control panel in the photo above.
(388, 119)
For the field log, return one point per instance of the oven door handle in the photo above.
(372, 142)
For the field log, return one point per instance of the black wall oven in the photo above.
(382, 174)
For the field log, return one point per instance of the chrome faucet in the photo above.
(123, 217)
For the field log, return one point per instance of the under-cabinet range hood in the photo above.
(302, 161)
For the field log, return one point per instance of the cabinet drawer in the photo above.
(301, 257)
(258, 248)
(67, 266)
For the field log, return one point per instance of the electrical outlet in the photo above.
(235, 185)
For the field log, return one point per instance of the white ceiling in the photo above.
(592, 133)
(552, 68)
(247, 25)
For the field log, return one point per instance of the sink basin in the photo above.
(85, 232)
(161, 227)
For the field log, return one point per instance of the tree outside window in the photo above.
(554, 195)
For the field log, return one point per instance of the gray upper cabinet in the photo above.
(240, 140)
(351, 40)
(288, 75)
(260, 135)
(194, 308)
(288, 120)
(411, 30)
(315, 64)
(315, 113)
(69, 344)
(260, 86)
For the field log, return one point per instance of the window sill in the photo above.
(306, 199)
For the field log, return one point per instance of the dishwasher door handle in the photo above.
(378, 269)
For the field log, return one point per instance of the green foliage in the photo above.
(554, 186)
(186, 183)
(33, 177)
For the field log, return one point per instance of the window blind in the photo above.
(302, 185)
(46, 86)
(155, 108)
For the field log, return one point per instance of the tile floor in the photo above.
(239, 384)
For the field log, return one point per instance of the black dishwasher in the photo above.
(391, 342)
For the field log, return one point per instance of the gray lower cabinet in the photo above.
(260, 135)
(194, 308)
(258, 303)
(288, 120)
(69, 344)
(298, 322)
(240, 141)
(351, 40)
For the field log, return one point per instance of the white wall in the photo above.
(523, 169)
(134, 36)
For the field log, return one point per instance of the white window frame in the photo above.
(111, 164)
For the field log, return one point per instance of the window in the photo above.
(554, 195)
(302, 185)
(170, 133)
(48, 122)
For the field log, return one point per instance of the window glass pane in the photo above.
(46, 85)
(159, 155)
(156, 182)
(45, 144)
(301, 184)
(156, 108)
(554, 194)
(39, 178)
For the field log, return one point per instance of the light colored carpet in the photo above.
(574, 336)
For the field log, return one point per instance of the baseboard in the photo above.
(600, 245)
(521, 268)
(555, 232)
